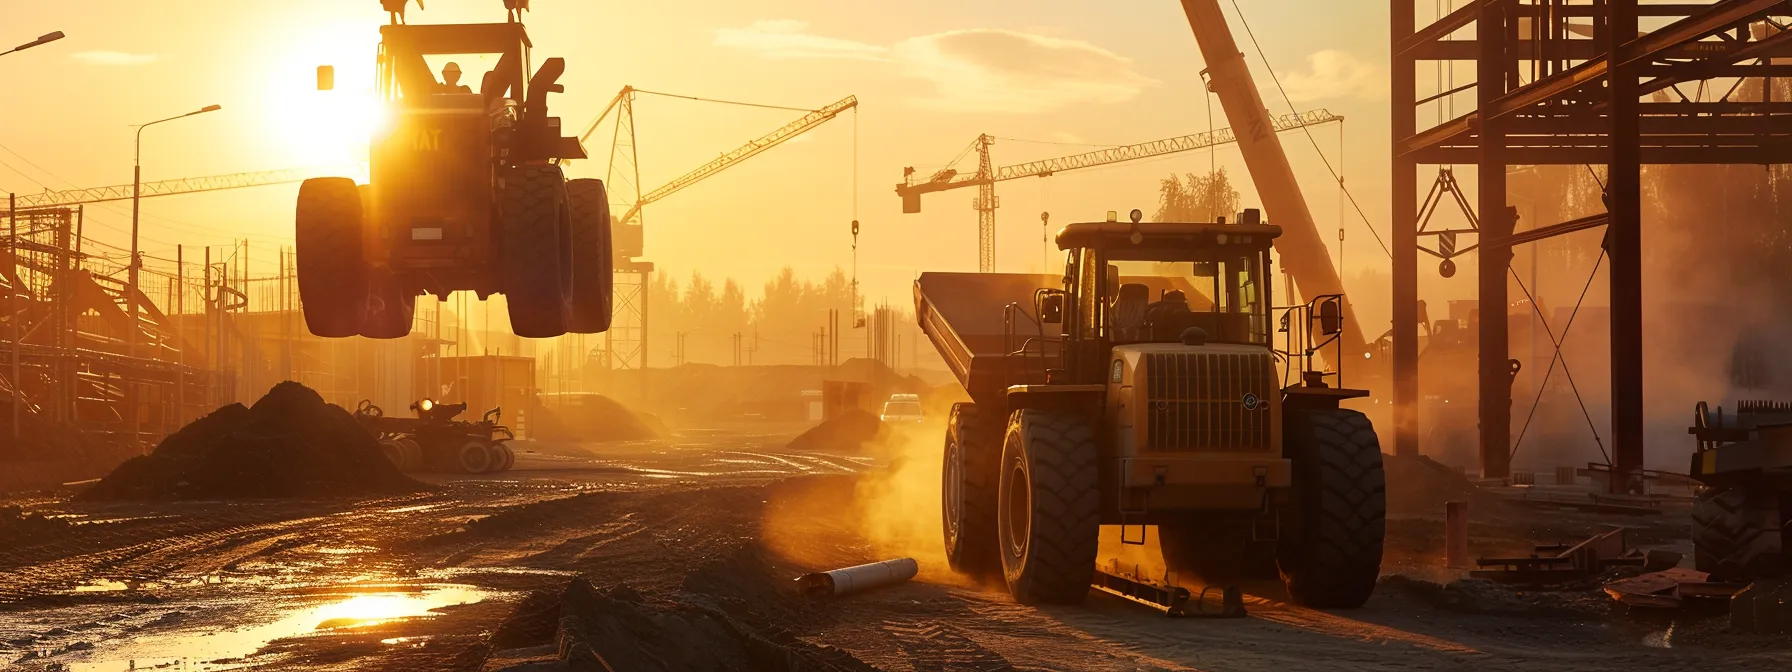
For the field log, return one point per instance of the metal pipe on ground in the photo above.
(855, 579)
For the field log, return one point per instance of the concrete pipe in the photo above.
(855, 579)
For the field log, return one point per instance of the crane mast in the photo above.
(1303, 251)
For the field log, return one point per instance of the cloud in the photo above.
(991, 70)
(1335, 74)
(790, 39)
(114, 58)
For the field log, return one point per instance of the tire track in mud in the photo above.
(934, 647)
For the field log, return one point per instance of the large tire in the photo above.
(968, 492)
(331, 267)
(390, 308)
(1329, 552)
(533, 246)
(593, 265)
(1049, 515)
(394, 453)
(475, 457)
(1736, 533)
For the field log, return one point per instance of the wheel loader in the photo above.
(1743, 463)
(435, 441)
(1142, 389)
(466, 193)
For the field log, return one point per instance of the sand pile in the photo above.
(595, 417)
(849, 431)
(289, 444)
(1419, 486)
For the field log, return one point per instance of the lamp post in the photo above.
(52, 37)
(136, 200)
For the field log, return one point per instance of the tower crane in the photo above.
(777, 137)
(189, 185)
(985, 178)
(627, 342)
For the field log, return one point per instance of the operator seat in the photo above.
(1130, 306)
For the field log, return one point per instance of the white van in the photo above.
(902, 408)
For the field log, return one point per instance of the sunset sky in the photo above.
(929, 75)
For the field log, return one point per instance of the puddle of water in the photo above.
(103, 586)
(419, 507)
(190, 650)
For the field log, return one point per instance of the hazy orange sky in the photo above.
(930, 76)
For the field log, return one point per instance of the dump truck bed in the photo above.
(962, 315)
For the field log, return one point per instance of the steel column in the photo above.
(1496, 225)
(1624, 245)
(1405, 213)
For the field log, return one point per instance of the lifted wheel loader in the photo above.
(1142, 389)
(466, 194)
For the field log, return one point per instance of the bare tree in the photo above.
(1196, 198)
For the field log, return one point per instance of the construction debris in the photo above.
(1669, 588)
(1562, 563)
(289, 444)
(858, 578)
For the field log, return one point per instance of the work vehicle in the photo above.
(435, 441)
(903, 408)
(466, 194)
(1743, 462)
(1142, 389)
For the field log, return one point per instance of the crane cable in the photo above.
(855, 218)
(725, 102)
(1308, 132)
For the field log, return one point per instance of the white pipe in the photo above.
(855, 579)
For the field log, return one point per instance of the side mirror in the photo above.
(1051, 309)
(326, 78)
(1331, 317)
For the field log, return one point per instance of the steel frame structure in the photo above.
(1556, 85)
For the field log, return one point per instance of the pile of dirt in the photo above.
(289, 444)
(596, 418)
(1419, 486)
(851, 430)
(19, 527)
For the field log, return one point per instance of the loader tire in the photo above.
(533, 247)
(1329, 551)
(475, 457)
(593, 263)
(331, 267)
(394, 453)
(1049, 511)
(1736, 533)
(968, 492)
(507, 455)
(390, 308)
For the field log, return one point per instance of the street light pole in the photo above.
(52, 37)
(131, 289)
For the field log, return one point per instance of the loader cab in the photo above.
(1156, 282)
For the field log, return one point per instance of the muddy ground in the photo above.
(689, 546)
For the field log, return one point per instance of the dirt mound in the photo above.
(618, 628)
(596, 418)
(849, 431)
(1420, 486)
(20, 528)
(289, 444)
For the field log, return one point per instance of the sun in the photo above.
(307, 127)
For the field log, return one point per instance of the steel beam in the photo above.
(1573, 156)
(1551, 231)
(1642, 49)
(1624, 245)
(1496, 224)
(1405, 365)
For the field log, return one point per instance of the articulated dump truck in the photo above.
(1144, 389)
